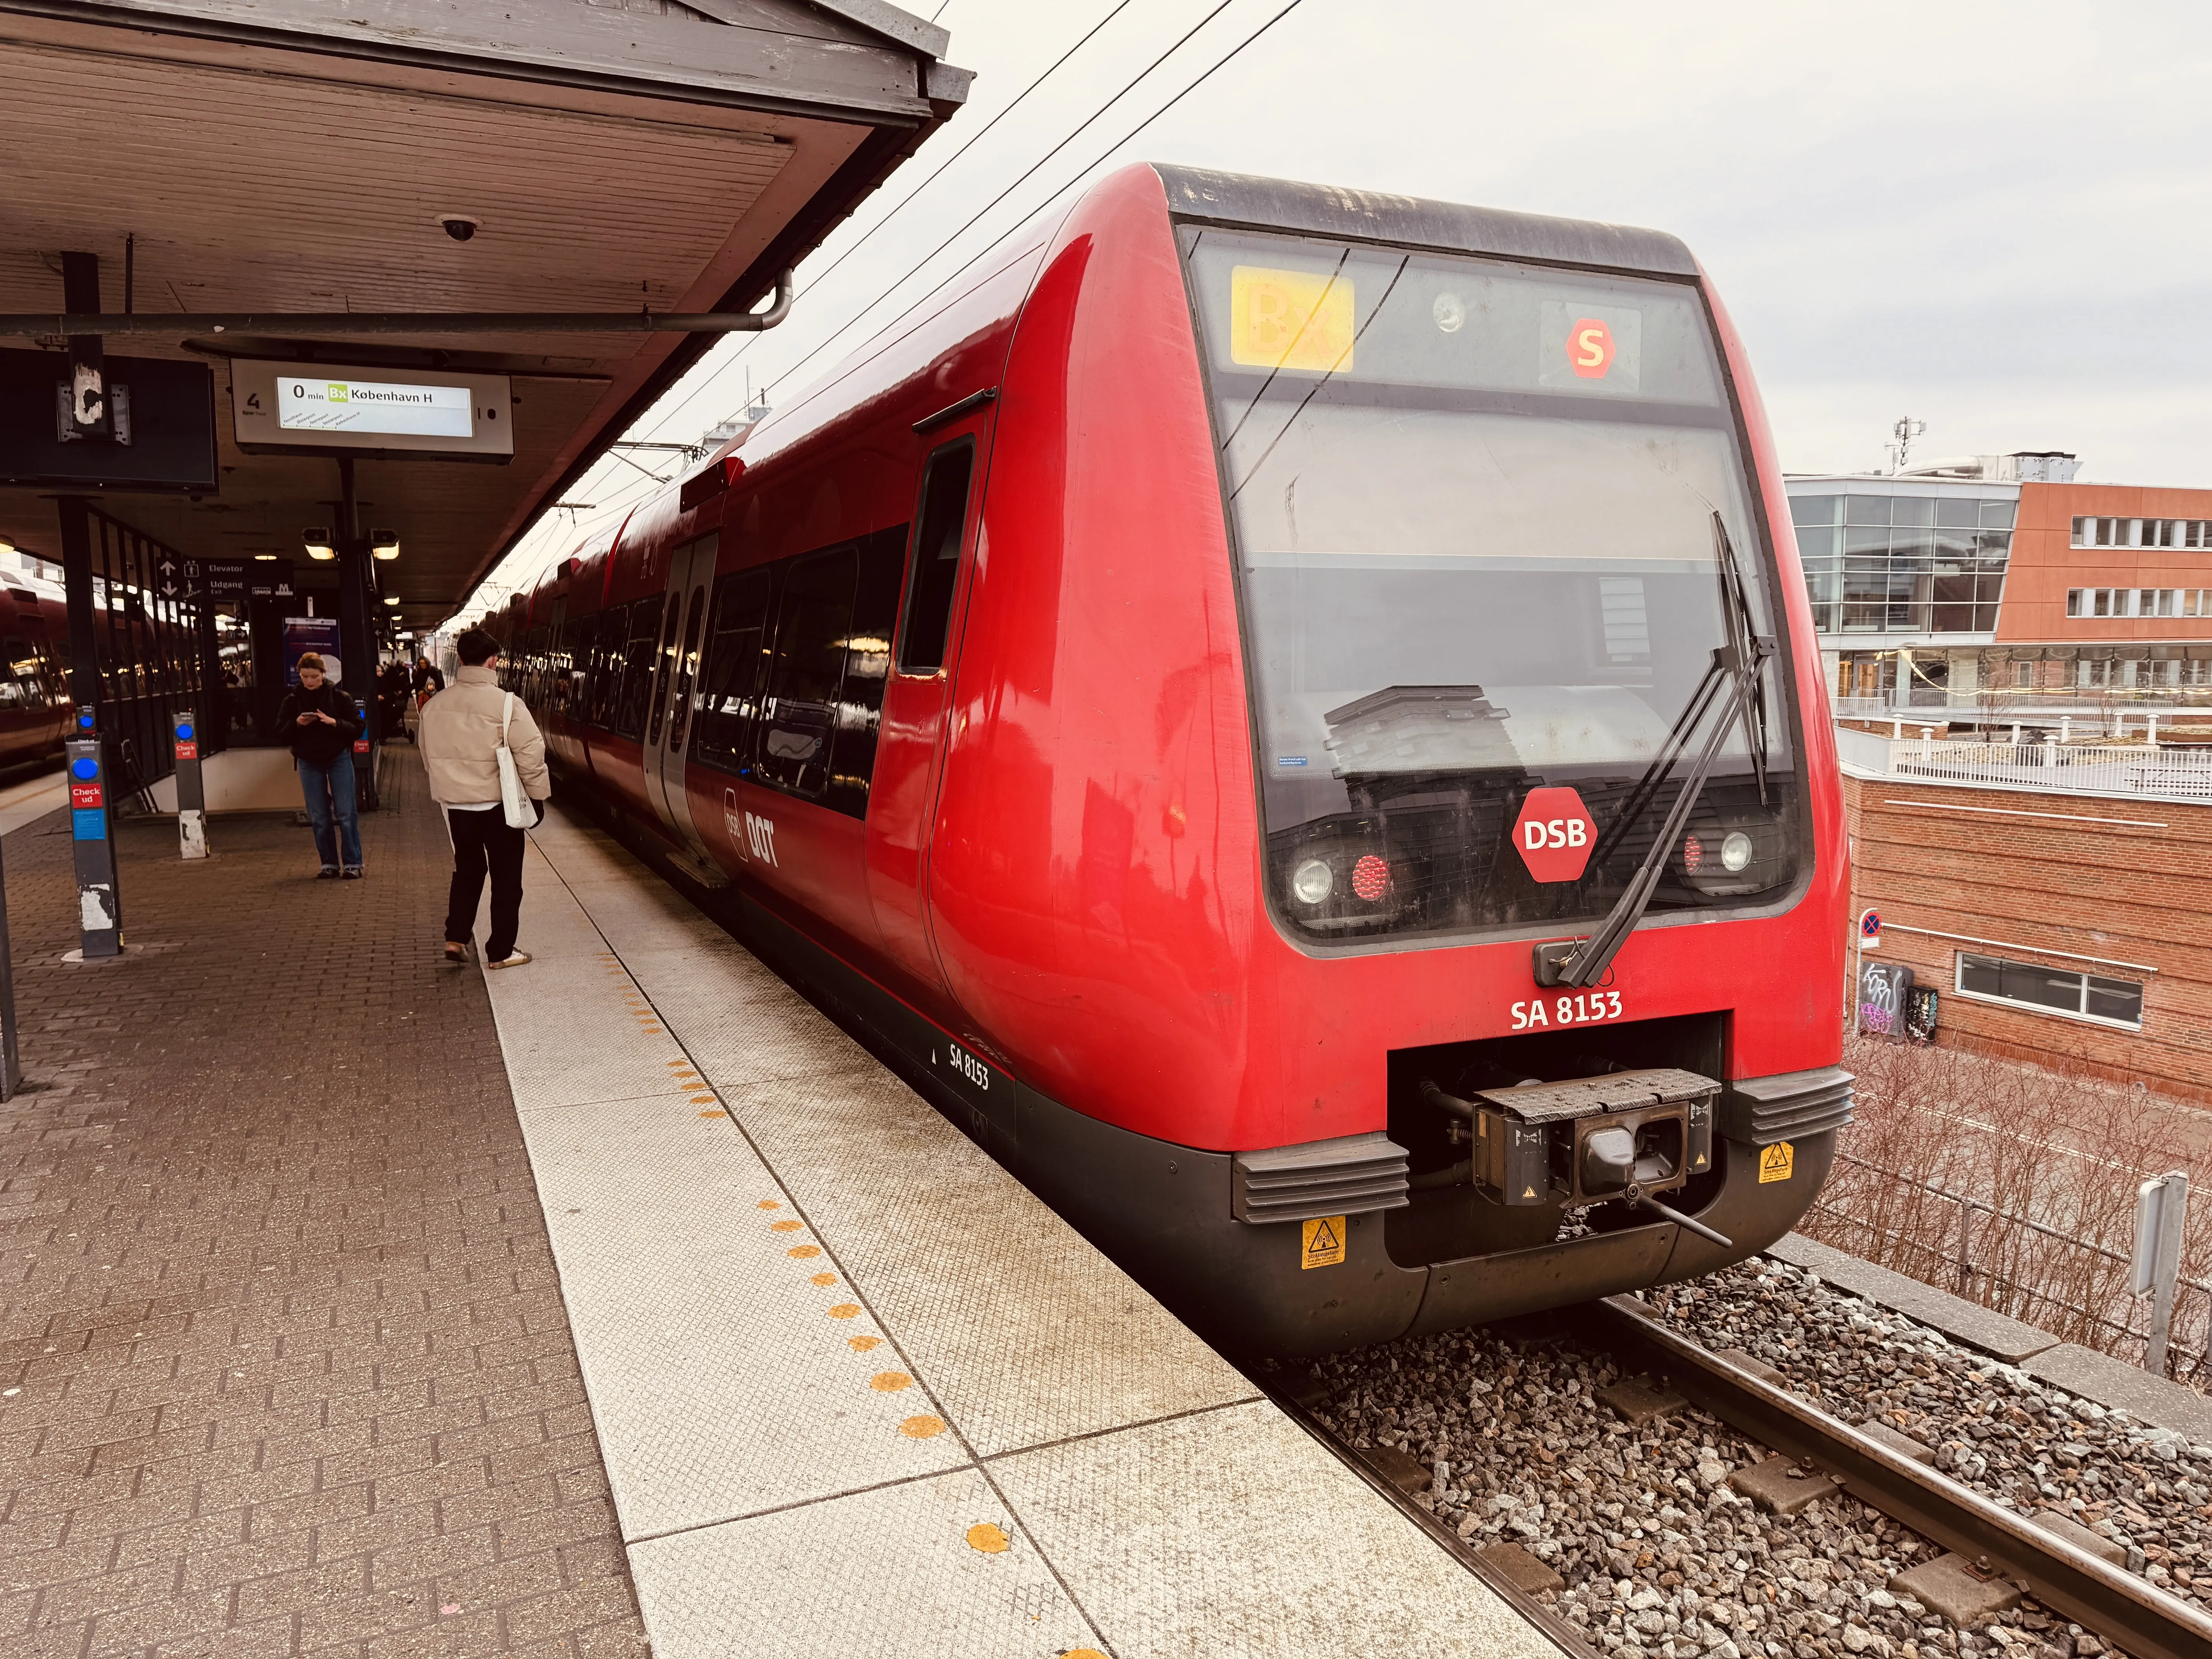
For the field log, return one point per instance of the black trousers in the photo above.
(486, 841)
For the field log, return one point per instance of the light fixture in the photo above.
(392, 599)
(320, 544)
(7, 544)
(384, 543)
(265, 558)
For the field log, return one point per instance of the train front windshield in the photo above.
(1484, 516)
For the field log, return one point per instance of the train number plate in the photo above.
(1583, 1008)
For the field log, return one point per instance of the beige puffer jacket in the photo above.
(460, 740)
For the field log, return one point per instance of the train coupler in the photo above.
(1626, 1137)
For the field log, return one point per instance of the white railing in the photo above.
(2101, 768)
(2086, 705)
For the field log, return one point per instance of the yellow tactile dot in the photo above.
(680, 1065)
(1083, 1653)
(717, 1112)
(770, 1204)
(785, 1226)
(844, 1310)
(805, 1252)
(826, 1279)
(862, 1344)
(890, 1382)
(988, 1539)
(702, 1100)
(922, 1428)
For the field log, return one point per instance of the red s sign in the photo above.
(1554, 834)
(1590, 350)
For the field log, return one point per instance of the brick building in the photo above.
(1998, 591)
(2063, 929)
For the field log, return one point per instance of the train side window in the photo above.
(638, 647)
(936, 563)
(867, 666)
(799, 719)
(671, 626)
(687, 672)
(20, 687)
(731, 674)
(607, 642)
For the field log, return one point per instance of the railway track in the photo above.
(2121, 1608)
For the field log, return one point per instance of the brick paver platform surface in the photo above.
(284, 1363)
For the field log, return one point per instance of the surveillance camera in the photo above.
(459, 226)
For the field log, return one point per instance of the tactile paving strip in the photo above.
(816, 1323)
(1237, 1525)
(892, 1571)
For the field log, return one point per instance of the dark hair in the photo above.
(477, 647)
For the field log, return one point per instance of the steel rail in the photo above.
(2124, 1610)
(1567, 1637)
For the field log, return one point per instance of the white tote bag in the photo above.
(521, 814)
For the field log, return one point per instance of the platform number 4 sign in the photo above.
(1323, 1239)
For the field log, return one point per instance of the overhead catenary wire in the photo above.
(818, 277)
(1034, 167)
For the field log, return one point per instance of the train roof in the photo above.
(1238, 199)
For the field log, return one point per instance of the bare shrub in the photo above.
(2016, 1187)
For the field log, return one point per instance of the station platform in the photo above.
(360, 1304)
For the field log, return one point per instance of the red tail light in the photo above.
(1371, 877)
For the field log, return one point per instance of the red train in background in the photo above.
(34, 702)
(1295, 712)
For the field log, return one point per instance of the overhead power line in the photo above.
(815, 280)
(1034, 167)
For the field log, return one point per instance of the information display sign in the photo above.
(333, 408)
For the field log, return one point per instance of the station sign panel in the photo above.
(165, 423)
(329, 408)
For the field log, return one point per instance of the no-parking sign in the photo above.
(1869, 930)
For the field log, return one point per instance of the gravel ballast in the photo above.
(1661, 1555)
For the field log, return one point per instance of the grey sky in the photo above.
(1997, 218)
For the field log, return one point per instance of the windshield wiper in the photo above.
(1733, 683)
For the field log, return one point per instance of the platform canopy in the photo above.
(284, 157)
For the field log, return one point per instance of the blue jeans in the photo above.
(329, 789)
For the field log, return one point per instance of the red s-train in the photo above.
(1295, 711)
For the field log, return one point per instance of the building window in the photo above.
(2139, 601)
(2023, 674)
(2142, 532)
(2052, 990)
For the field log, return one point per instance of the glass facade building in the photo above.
(1904, 556)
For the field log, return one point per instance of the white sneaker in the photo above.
(513, 961)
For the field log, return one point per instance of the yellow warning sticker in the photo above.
(1323, 1242)
(1777, 1163)
(1289, 319)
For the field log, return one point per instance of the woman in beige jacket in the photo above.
(461, 742)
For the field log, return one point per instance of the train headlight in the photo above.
(1735, 851)
(1311, 881)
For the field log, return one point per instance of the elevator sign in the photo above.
(1554, 834)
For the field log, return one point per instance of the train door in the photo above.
(910, 744)
(668, 724)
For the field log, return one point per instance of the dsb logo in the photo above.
(1554, 834)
